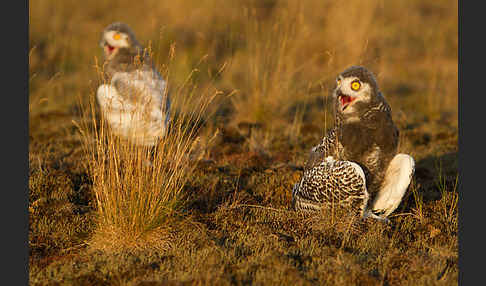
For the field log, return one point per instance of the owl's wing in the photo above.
(143, 88)
(397, 179)
(110, 100)
(379, 123)
(339, 182)
(327, 147)
(378, 114)
(139, 86)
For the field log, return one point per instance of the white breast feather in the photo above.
(143, 119)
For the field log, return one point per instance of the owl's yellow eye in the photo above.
(355, 85)
(116, 36)
(338, 82)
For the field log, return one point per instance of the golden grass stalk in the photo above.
(139, 190)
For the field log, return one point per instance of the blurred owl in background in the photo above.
(133, 99)
(356, 164)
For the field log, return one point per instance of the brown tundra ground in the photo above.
(270, 65)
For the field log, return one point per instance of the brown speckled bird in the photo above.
(133, 98)
(356, 163)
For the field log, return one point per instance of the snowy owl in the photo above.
(133, 98)
(356, 164)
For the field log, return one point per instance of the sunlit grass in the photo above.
(139, 189)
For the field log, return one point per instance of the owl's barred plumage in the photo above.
(316, 187)
(363, 138)
(133, 99)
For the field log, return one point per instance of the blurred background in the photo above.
(281, 57)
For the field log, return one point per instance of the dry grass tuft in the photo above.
(139, 189)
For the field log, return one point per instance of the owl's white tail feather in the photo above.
(397, 178)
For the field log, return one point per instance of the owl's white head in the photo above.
(355, 87)
(115, 37)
